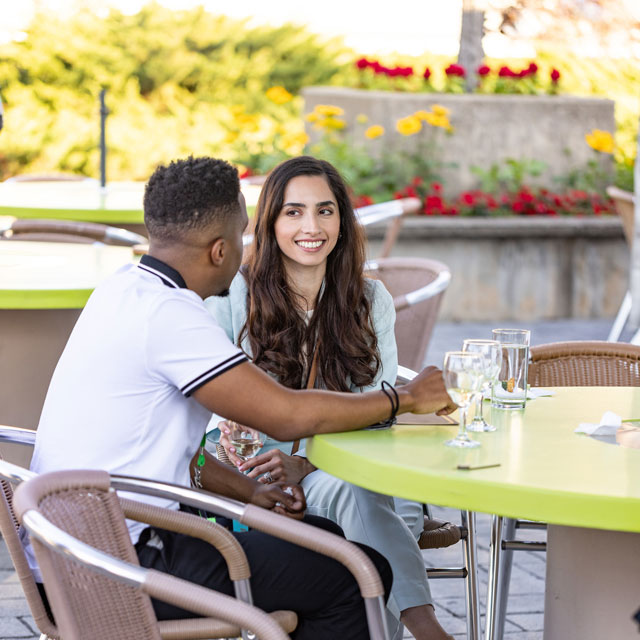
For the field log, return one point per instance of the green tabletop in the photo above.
(547, 472)
(54, 275)
(119, 203)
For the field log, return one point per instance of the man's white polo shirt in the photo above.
(120, 397)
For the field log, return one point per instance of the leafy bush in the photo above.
(177, 82)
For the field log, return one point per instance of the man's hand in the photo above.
(281, 467)
(283, 498)
(429, 393)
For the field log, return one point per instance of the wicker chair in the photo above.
(417, 286)
(91, 573)
(169, 629)
(560, 364)
(297, 532)
(69, 231)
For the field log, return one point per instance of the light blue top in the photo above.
(231, 313)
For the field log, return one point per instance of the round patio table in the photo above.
(43, 288)
(588, 491)
(119, 204)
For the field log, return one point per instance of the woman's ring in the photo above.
(268, 477)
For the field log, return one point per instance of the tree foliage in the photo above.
(176, 81)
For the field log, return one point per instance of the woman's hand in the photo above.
(225, 432)
(283, 498)
(279, 466)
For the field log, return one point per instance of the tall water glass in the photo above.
(462, 372)
(491, 353)
(510, 388)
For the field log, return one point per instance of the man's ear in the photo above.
(218, 252)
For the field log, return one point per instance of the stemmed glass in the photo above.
(463, 377)
(247, 441)
(491, 353)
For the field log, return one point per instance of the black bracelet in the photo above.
(393, 399)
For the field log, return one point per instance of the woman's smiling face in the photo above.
(308, 225)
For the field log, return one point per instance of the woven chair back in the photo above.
(414, 323)
(86, 604)
(585, 364)
(9, 528)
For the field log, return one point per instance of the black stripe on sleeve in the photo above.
(212, 373)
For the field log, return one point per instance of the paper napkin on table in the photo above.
(608, 426)
(539, 392)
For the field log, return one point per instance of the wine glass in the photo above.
(491, 353)
(247, 441)
(463, 376)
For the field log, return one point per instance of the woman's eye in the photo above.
(292, 212)
(326, 212)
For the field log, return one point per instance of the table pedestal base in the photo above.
(31, 342)
(593, 584)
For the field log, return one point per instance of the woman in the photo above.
(302, 309)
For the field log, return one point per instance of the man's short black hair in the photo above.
(189, 195)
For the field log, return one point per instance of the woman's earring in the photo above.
(340, 235)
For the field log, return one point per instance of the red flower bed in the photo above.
(525, 202)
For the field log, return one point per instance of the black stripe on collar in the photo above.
(167, 274)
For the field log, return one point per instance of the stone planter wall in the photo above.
(521, 268)
(487, 128)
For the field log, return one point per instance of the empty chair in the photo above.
(560, 364)
(417, 286)
(68, 231)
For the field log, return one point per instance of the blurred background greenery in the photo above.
(189, 82)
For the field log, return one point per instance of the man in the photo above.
(145, 366)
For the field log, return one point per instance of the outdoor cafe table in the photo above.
(43, 288)
(119, 204)
(588, 490)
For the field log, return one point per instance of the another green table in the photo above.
(43, 288)
(119, 205)
(547, 472)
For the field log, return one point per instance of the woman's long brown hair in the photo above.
(280, 339)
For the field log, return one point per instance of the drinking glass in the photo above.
(491, 353)
(247, 441)
(510, 388)
(463, 376)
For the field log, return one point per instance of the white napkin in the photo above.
(608, 426)
(539, 392)
(532, 393)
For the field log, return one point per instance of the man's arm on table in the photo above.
(248, 395)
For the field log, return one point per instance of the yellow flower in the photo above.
(600, 141)
(439, 110)
(312, 117)
(409, 125)
(438, 121)
(331, 123)
(374, 132)
(279, 95)
(422, 114)
(328, 110)
(362, 118)
(294, 142)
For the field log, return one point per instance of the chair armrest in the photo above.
(423, 293)
(405, 374)
(196, 527)
(156, 584)
(17, 435)
(14, 473)
(294, 531)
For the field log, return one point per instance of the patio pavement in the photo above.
(526, 602)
